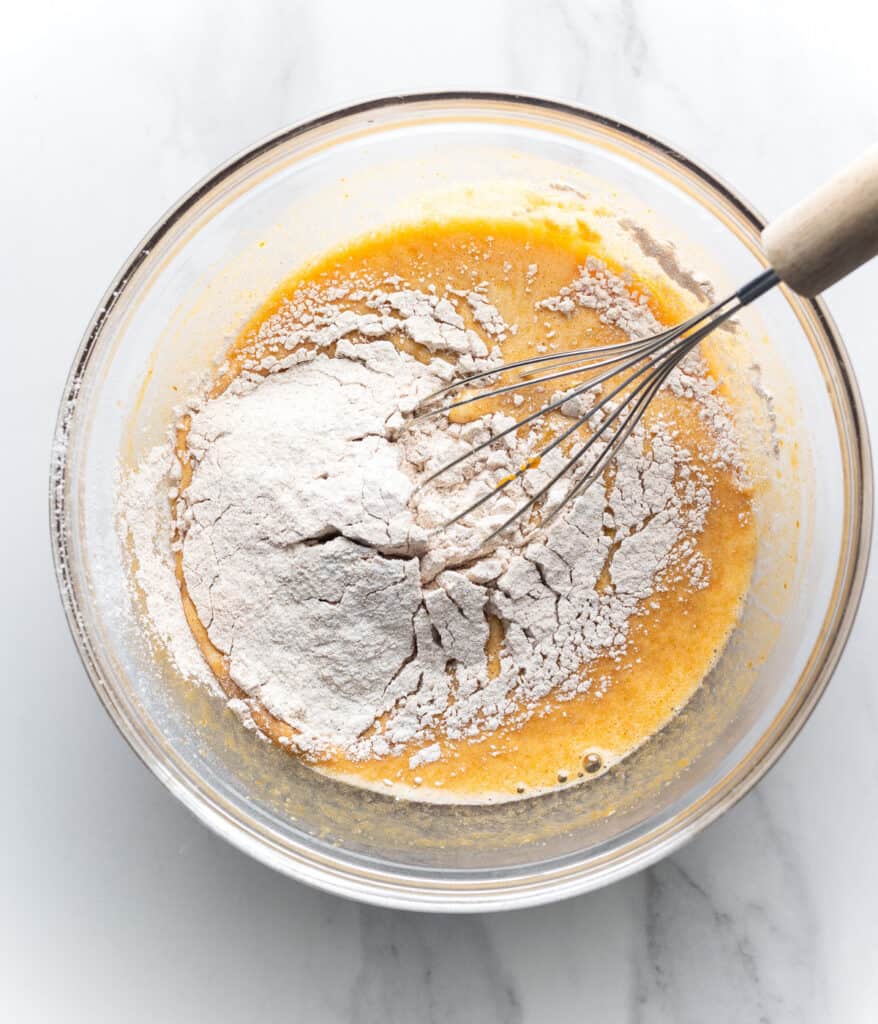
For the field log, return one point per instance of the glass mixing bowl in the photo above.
(173, 308)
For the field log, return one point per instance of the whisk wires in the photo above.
(645, 365)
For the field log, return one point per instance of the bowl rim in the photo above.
(383, 887)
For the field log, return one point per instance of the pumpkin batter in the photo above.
(673, 642)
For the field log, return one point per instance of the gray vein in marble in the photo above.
(634, 41)
(430, 969)
(711, 939)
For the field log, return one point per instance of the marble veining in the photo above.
(431, 969)
(710, 901)
(116, 904)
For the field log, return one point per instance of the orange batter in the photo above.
(670, 649)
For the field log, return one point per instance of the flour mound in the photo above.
(307, 546)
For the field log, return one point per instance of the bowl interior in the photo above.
(202, 273)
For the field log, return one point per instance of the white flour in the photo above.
(305, 549)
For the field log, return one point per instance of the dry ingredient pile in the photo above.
(311, 556)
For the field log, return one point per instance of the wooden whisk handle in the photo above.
(832, 232)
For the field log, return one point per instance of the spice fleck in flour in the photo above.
(311, 556)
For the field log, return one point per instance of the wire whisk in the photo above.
(644, 365)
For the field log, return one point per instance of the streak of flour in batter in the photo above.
(305, 545)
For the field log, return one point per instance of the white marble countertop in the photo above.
(115, 904)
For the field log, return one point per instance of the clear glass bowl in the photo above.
(174, 306)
